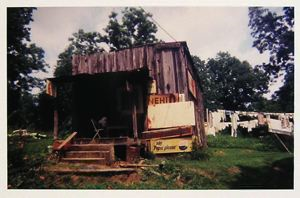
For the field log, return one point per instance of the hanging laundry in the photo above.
(261, 119)
(223, 125)
(275, 126)
(234, 119)
(211, 131)
(210, 120)
(252, 124)
(243, 124)
(228, 112)
(222, 114)
(284, 120)
(216, 120)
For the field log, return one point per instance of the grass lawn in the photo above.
(228, 163)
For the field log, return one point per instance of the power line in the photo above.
(160, 26)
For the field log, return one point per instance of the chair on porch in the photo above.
(102, 124)
(97, 130)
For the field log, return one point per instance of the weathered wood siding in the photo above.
(167, 64)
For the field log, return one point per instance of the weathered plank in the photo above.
(134, 120)
(138, 165)
(66, 141)
(169, 132)
(95, 170)
(168, 72)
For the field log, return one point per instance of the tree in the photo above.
(84, 43)
(274, 33)
(135, 29)
(117, 37)
(228, 83)
(23, 58)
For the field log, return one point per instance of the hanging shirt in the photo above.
(234, 119)
(261, 119)
(234, 124)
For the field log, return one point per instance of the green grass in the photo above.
(266, 143)
(25, 157)
(227, 163)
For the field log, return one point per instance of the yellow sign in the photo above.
(173, 145)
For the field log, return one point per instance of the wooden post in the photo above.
(134, 120)
(55, 127)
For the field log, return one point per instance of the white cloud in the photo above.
(207, 30)
(53, 26)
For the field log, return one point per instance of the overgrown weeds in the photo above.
(199, 153)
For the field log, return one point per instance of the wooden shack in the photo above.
(149, 94)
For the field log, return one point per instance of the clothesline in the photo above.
(216, 121)
(252, 113)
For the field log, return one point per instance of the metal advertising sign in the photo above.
(192, 85)
(173, 145)
(163, 98)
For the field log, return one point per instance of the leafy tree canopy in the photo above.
(136, 29)
(274, 33)
(23, 58)
(229, 83)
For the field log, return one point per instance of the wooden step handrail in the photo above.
(66, 141)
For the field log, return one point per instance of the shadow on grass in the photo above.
(279, 175)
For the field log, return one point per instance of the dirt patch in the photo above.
(133, 178)
(219, 153)
(118, 178)
(126, 178)
(208, 174)
(179, 182)
(233, 170)
(74, 178)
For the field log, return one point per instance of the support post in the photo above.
(55, 128)
(134, 121)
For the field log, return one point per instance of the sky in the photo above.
(207, 30)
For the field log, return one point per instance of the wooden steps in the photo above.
(101, 154)
(90, 147)
(87, 154)
(97, 160)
